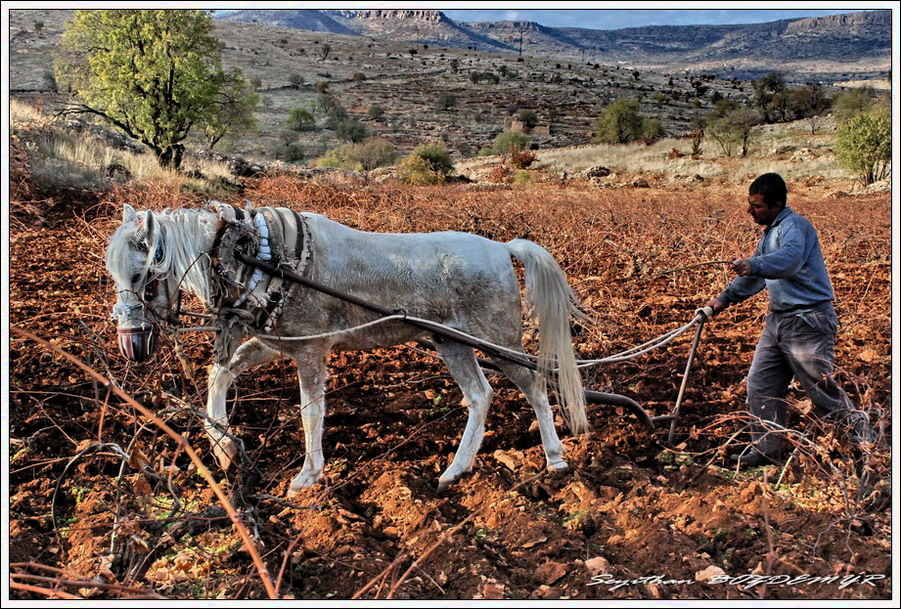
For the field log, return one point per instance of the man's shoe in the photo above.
(753, 458)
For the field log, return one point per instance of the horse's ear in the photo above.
(149, 229)
(128, 213)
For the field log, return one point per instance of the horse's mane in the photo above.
(174, 246)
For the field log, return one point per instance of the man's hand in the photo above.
(742, 267)
(716, 304)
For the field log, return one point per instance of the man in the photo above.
(799, 337)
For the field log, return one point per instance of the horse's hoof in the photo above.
(302, 481)
(559, 466)
(225, 451)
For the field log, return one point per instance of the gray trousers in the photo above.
(800, 346)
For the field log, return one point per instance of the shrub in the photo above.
(428, 164)
(296, 80)
(500, 174)
(510, 141)
(652, 129)
(375, 112)
(529, 118)
(446, 101)
(863, 144)
(848, 104)
(294, 153)
(523, 159)
(619, 123)
(351, 130)
(523, 178)
(300, 119)
(365, 156)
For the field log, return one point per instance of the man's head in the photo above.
(767, 196)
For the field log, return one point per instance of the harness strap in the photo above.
(278, 235)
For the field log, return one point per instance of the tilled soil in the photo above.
(632, 518)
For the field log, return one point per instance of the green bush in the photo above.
(301, 119)
(428, 164)
(848, 104)
(863, 144)
(350, 130)
(510, 141)
(375, 112)
(652, 129)
(365, 156)
(446, 101)
(523, 178)
(619, 123)
(529, 118)
(294, 153)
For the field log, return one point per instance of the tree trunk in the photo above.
(171, 156)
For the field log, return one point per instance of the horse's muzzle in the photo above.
(137, 344)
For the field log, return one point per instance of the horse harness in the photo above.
(244, 296)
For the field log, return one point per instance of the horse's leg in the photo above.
(534, 388)
(464, 368)
(312, 372)
(251, 353)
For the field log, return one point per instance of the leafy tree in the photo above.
(810, 103)
(767, 90)
(619, 123)
(232, 111)
(863, 144)
(300, 119)
(153, 74)
(733, 132)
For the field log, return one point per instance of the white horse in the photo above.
(461, 280)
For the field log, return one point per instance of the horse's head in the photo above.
(147, 291)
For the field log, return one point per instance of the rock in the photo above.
(803, 154)
(115, 171)
(512, 459)
(547, 592)
(639, 183)
(598, 171)
(597, 565)
(709, 573)
(550, 572)
(492, 590)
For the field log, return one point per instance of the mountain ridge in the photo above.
(816, 48)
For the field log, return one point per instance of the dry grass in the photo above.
(789, 149)
(68, 159)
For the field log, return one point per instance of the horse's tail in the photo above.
(553, 301)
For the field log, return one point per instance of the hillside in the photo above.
(831, 48)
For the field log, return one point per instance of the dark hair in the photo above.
(772, 187)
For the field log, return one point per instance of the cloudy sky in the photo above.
(604, 19)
